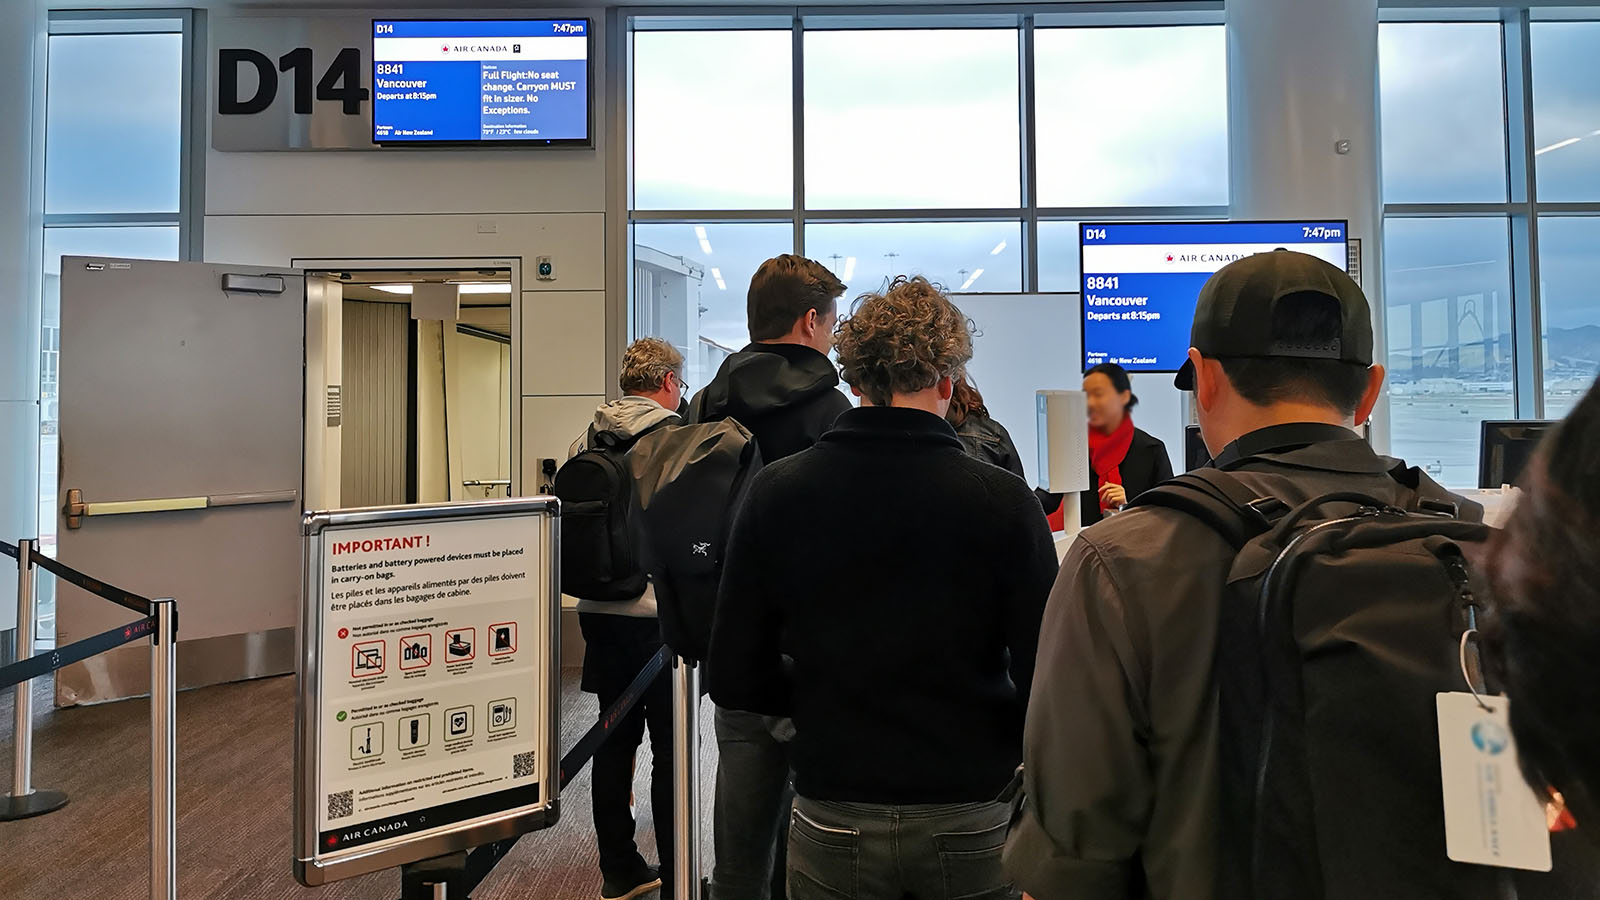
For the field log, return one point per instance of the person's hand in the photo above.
(1113, 496)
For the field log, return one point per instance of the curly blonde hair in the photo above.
(645, 365)
(903, 340)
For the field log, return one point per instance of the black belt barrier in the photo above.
(47, 662)
(8, 549)
(483, 859)
(93, 585)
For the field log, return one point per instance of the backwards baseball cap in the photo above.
(1233, 317)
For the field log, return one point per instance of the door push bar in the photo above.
(76, 508)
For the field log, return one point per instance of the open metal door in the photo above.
(181, 441)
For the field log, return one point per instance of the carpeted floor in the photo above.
(234, 805)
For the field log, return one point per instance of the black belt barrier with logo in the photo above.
(483, 860)
(51, 660)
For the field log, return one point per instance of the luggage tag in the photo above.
(1491, 816)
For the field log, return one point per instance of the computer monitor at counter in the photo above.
(1506, 447)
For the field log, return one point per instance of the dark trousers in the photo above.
(617, 648)
(752, 808)
(844, 851)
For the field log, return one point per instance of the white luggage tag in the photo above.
(1491, 816)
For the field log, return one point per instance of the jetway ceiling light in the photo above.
(466, 287)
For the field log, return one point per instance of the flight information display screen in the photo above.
(1140, 281)
(481, 82)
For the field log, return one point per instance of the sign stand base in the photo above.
(36, 803)
(440, 878)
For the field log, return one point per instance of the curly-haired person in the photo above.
(905, 581)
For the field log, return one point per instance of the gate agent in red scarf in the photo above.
(1124, 461)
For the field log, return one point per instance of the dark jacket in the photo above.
(786, 394)
(989, 441)
(906, 580)
(1146, 465)
(1122, 734)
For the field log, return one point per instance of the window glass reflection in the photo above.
(1447, 293)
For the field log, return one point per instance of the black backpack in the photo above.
(1342, 619)
(600, 535)
(691, 481)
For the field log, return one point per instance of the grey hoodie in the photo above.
(627, 419)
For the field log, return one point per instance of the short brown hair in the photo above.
(645, 365)
(784, 289)
(903, 340)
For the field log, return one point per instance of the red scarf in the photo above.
(1107, 451)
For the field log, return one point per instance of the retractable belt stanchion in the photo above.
(24, 801)
(686, 779)
(164, 752)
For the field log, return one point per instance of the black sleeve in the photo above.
(1013, 459)
(1163, 466)
(744, 667)
(1026, 579)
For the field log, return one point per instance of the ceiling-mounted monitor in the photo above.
(1141, 280)
(482, 82)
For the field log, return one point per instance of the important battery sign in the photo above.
(416, 730)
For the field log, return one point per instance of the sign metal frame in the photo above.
(312, 868)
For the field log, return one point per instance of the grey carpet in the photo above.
(235, 795)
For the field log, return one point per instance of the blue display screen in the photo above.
(479, 81)
(1140, 281)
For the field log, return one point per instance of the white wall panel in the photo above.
(401, 181)
(563, 343)
(575, 241)
(549, 426)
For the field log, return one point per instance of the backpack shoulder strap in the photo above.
(1219, 500)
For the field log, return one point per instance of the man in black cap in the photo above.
(1121, 744)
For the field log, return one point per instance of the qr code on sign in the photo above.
(522, 765)
(341, 805)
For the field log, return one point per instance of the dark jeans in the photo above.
(752, 808)
(842, 851)
(617, 648)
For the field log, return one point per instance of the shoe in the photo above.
(631, 885)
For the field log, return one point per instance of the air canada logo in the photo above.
(1169, 257)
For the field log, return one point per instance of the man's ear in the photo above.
(1207, 375)
(947, 388)
(1369, 400)
(810, 322)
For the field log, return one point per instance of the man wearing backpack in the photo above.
(1151, 768)
(782, 387)
(621, 635)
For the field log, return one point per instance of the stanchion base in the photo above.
(35, 804)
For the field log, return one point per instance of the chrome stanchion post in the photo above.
(24, 801)
(686, 779)
(164, 752)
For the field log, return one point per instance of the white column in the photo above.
(21, 38)
(1303, 79)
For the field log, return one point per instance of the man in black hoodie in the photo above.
(785, 390)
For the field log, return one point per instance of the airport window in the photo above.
(1132, 116)
(689, 283)
(962, 256)
(712, 124)
(1491, 206)
(1448, 304)
(106, 73)
(939, 127)
(1569, 271)
(1443, 112)
(1566, 109)
(927, 172)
